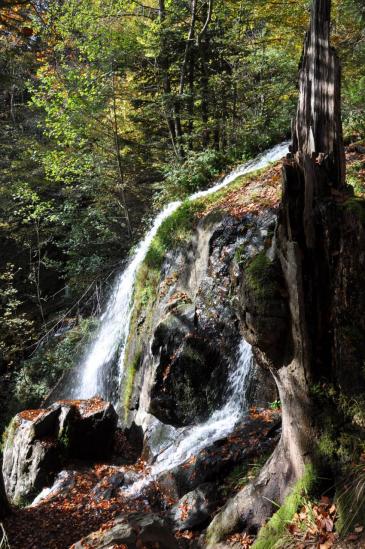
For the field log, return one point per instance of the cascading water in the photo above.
(186, 442)
(220, 423)
(94, 374)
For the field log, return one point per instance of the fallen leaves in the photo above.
(243, 539)
(31, 415)
(314, 525)
(59, 522)
(187, 534)
(256, 193)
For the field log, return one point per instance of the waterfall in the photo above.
(220, 423)
(95, 374)
(187, 442)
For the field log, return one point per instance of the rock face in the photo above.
(195, 508)
(4, 505)
(182, 374)
(254, 437)
(133, 531)
(38, 441)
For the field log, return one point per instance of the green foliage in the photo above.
(240, 254)
(341, 419)
(16, 328)
(9, 434)
(357, 207)
(275, 405)
(243, 474)
(273, 532)
(42, 371)
(194, 174)
(64, 439)
(350, 500)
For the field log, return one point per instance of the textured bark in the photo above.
(318, 124)
(317, 132)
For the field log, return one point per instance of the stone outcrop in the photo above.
(182, 375)
(4, 504)
(255, 436)
(195, 508)
(133, 530)
(38, 442)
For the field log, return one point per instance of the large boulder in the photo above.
(254, 437)
(196, 507)
(190, 370)
(38, 441)
(133, 530)
(87, 427)
(31, 456)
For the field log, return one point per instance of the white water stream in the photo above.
(186, 442)
(109, 342)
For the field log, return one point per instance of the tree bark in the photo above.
(318, 126)
(164, 65)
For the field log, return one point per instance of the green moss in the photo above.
(357, 206)
(240, 255)
(272, 533)
(9, 433)
(129, 381)
(64, 438)
(259, 277)
(353, 178)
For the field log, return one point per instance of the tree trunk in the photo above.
(306, 239)
(163, 63)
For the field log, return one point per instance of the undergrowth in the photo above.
(243, 474)
(42, 371)
(273, 532)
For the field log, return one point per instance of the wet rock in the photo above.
(262, 388)
(254, 437)
(133, 530)
(64, 481)
(195, 508)
(39, 441)
(263, 309)
(189, 368)
(127, 445)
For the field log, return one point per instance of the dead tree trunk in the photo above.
(312, 176)
(318, 128)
